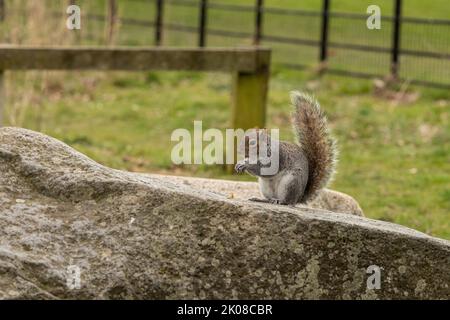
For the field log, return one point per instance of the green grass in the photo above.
(394, 159)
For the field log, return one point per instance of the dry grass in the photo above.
(40, 23)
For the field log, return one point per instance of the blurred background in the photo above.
(386, 91)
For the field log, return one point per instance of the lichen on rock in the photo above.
(139, 236)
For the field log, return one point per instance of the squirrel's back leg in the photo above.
(286, 188)
(290, 188)
(267, 187)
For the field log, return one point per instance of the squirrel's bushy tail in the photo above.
(310, 125)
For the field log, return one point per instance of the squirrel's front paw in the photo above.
(240, 167)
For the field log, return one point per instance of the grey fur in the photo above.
(296, 182)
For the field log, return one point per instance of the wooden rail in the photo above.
(249, 66)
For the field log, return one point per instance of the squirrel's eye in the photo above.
(252, 142)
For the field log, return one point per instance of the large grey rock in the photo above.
(327, 199)
(140, 236)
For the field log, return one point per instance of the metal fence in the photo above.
(407, 48)
(411, 49)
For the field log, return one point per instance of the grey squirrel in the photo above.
(304, 168)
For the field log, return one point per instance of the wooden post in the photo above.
(249, 99)
(2, 15)
(76, 33)
(2, 97)
(202, 23)
(112, 21)
(258, 21)
(2, 10)
(159, 22)
(249, 94)
(395, 61)
(324, 35)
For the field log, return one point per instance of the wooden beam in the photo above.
(244, 60)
